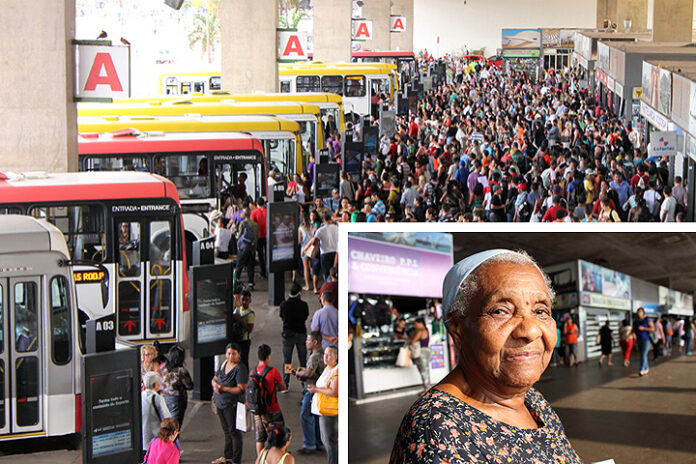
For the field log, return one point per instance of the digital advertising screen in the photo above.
(282, 235)
(212, 306)
(325, 179)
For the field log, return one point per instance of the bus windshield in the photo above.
(83, 227)
(188, 172)
(281, 154)
(308, 135)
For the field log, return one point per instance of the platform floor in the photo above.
(202, 438)
(607, 412)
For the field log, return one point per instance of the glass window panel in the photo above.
(26, 317)
(2, 321)
(281, 153)
(3, 410)
(215, 83)
(332, 84)
(355, 86)
(188, 172)
(160, 306)
(285, 87)
(308, 84)
(129, 308)
(128, 234)
(160, 252)
(240, 179)
(116, 163)
(83, 227)
(27, 398)
(308, 136)
(61, 334)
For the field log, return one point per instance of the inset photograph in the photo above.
(516, 347)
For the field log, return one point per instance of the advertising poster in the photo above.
(664, 102)
(400, 264)
(603, 56)
(521, 38)
(692, 109)
(212, 310)
(654, 86)
(437, 359)
(591, 277)
(111, 412)
(647, 73)
(283, 237)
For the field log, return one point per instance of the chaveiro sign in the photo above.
(663, 143)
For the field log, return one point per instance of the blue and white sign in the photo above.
(663, 143)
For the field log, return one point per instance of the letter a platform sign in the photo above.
(292, 46)
(362, 30)
(398, 24)
(103, 70)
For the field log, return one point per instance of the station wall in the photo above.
(478, 23)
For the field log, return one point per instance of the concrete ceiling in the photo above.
(667, 259)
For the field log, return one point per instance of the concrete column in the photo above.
(379, 12)
(635, 11)
(249, 45)
(606, 10)
(332, 30)
(672, 20)
(403, 40)
(38, 131)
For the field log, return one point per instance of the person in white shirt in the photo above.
(327, 236)
(222, 238)
(668, 207)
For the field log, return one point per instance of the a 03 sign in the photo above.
(398, 24)
(103, 71)
(362, 29)
(292, 46)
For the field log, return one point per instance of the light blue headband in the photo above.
(460, 271)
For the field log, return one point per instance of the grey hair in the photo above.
(471, 285)
(150, 379)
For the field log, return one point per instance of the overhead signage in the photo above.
(603, 56)
(292, 46)
(663, 143)
(637, 93)
(601, 301)
(521, 38)
(664, 95)
(510, 53)
(362, 30)
(103, 70)
(655, 118)
(398, 24)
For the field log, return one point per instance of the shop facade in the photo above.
(383, 268)
(522, 51)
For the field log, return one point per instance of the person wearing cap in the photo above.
(497, 306)
(520, 201)
(294, 313)
(589, 185)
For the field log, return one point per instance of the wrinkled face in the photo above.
(330, 358)
(508, 335)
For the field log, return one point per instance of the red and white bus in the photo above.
(126, 224)
(206, 167)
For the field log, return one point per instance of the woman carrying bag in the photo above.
(325, 403)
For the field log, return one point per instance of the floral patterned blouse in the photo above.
(440, 428)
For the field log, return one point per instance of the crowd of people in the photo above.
(242, 388)
(485, 146)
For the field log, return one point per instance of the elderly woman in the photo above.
(498, 310)
(153, 408)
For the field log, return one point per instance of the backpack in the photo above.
(248, 237)
(257, 398)
(524, 213)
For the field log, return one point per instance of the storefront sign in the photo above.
(521, 53)
(663, 143)
(390, 263)
(637, 93)
(600, 301)
(618, 89)
(601, 76)
(655, 118)
(602, 281)
(521, 38)
(675, 302)
(610, 83)
(648, 308)
(292, 46)
(437, 360)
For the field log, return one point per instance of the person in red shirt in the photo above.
(413, 129)
(570, 334)
(273, 383)
(331, 286)
(259, 216)
(550, 214)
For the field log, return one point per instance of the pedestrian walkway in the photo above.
(202, 438)
(607, 412)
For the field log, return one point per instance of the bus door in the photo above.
(20, 355)
(239, 175)
(145, 276)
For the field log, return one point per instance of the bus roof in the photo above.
(79, 186)
(109, 143)
(219, 95)
(183, 106)
(383, 53)
(331, 71)
(25, 234)
(186, 124)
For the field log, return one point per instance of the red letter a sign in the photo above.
(363, 32)
(399, 25)
(293, 46)
(103, 60)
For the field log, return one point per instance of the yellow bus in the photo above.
(330, 104)
(356, 84)
(280, 137)
(184, 83)
(306, 115)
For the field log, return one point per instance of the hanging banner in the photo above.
(103, 70)
(292, 46)
(398, 24)
(362, 30)
(663, 143)
(521, 38)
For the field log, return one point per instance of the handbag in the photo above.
(241, 420)
(328, 405)
(653, 337)
(415, 350)
(404, 357)
(313, 251)
(598, 340)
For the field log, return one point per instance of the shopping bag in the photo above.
(241, 417)
(404, 357)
